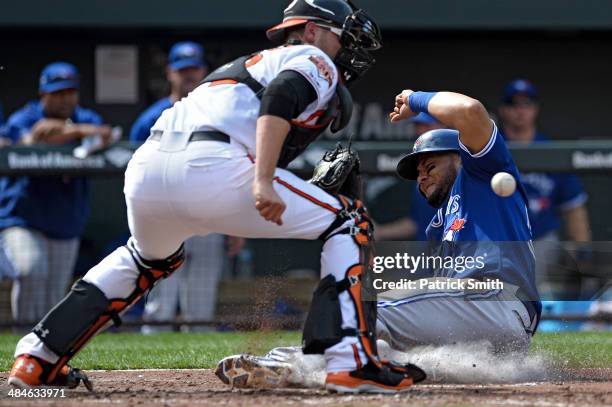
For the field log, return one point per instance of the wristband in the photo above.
(418, 101)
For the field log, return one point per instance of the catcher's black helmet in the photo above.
(359, 34)
(439, 140)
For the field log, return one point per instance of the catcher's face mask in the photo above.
(360, 34)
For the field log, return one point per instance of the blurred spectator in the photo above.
(186, 69)
(414, 225)
(551, 197)
(41, 218)
(194, 287)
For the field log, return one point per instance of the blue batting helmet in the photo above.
(439, 140)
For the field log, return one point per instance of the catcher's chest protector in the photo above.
(299, 138)
(339, 110)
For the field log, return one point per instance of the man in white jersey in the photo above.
(214, 163)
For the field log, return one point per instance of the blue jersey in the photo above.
(548, 194)
(421, 213)
(142, 126)
(56, 206)
(475, 222)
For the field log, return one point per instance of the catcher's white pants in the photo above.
(175, 190)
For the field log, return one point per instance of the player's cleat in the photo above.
(26, 372)
(249, 371)
(416, 373)
(71, 377)
(284, 353)
(369, 379)
(29, 371)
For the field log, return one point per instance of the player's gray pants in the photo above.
(453, 316)
(194, 287)
(44, 269)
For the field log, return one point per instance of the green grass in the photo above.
(164, 350)
(576, 349)
(176, 350)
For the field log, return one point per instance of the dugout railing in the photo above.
(581, 157)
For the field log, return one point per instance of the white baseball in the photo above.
(503, 184)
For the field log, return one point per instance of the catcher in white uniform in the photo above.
(214, 163)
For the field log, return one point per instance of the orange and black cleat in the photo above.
(29, 371)
(369, 379)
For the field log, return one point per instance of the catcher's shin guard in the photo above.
(86, 310)
(323, 327)
(323, 323)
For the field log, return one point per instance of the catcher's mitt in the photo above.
(338, 172)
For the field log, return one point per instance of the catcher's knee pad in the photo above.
(86, 310)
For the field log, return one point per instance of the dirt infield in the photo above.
(200, 387)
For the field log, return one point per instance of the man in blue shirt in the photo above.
(6, 267)
(195, 287)
(550, 196)
(453, 170)
(553, 198)
(186, 69)
(42, 218)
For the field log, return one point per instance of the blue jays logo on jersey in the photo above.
(454, 228)
(438, 219)
(458, 223)
(453, 205)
